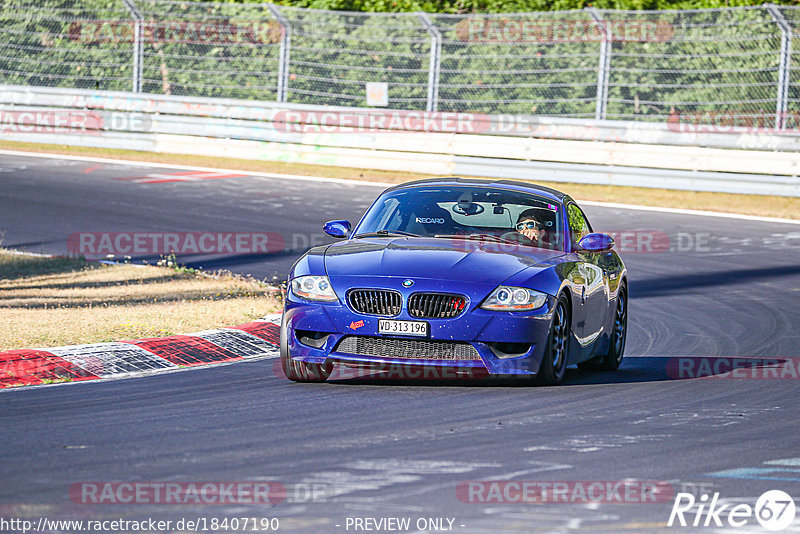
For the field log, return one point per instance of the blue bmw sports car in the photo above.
(503, 277)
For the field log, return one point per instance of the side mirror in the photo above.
(337, 229)
(596, 242)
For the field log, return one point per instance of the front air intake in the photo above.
(436, 305)
(423, 349)
(379, 302)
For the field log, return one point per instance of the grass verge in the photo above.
(759, 205)
(47, 302)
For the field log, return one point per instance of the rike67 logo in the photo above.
(774, 510)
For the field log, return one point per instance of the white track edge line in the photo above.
(681, 211)
(26, 253)
(637, 207)
(149, 164)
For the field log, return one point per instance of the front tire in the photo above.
(300, 371)
(554, 363)
(616, 348)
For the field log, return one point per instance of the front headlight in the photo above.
(313, 288)
(509, 298)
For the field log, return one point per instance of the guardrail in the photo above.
(674, 155)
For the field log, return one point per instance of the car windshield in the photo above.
(466, 212)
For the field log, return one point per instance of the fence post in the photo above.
(781, 105)
(137, 45)
(283, 61)
(435, 61)
(605, 64)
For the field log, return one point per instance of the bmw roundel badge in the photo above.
(408, 283)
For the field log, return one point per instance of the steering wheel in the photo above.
(468, 208)
(518, 238)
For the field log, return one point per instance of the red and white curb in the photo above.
(29, 367)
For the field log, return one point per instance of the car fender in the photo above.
(312, 262)
(546, 280)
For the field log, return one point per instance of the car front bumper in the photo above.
(473, 337)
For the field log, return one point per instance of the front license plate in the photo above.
(407, 328)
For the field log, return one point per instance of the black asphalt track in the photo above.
(728, 288)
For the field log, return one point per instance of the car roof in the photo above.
(515, 185)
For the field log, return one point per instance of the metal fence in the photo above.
(600, 64)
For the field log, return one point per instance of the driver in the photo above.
(529, 226)
(529, 229)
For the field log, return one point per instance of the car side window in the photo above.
(578, 225)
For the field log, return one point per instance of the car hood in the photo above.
(434, 258)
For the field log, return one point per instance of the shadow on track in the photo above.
(635, 369)
(670, 285)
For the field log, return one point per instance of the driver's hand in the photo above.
(534, 234)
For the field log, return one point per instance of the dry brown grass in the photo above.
(61, 301)
(760, 205)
